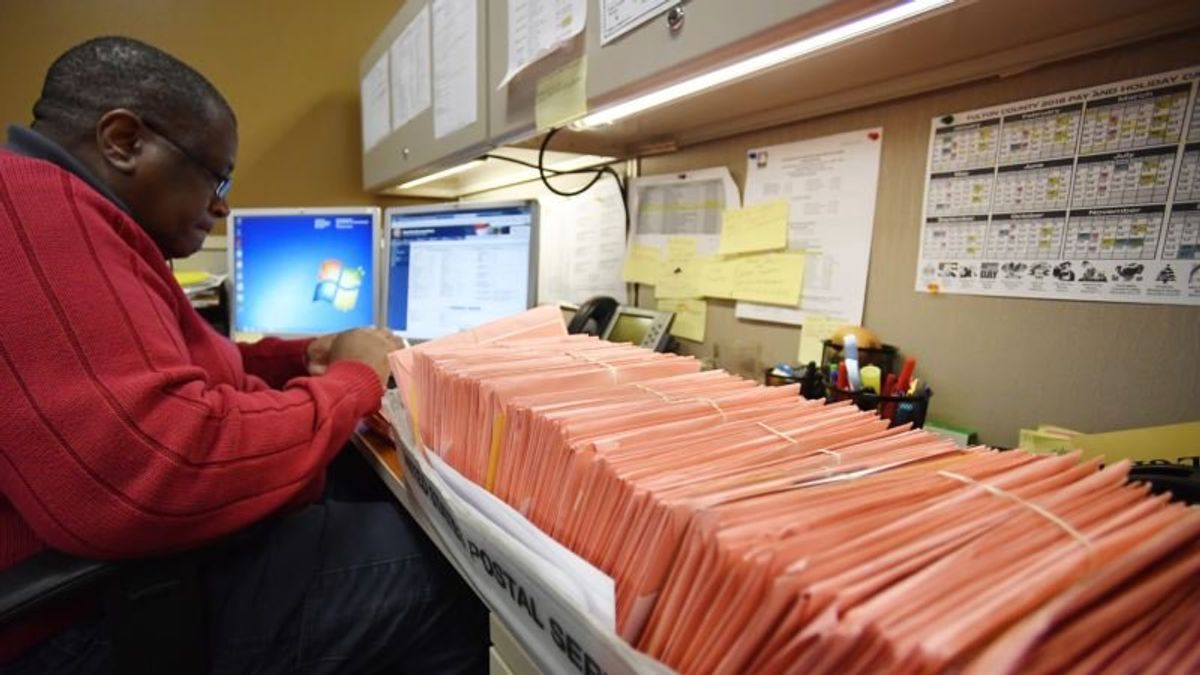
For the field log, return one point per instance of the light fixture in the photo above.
(437, 175)
(759, 62)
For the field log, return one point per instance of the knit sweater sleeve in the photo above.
(274, 360)
(113, 441)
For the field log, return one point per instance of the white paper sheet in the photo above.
(831, 184)
(1091, 194)
(538, 27)
(374, 95)
(410, 70)
(581, 239)
(618, 17)
(455, 72)
(688, 204)
(596, 587)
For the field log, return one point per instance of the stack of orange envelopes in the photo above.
(749, 530)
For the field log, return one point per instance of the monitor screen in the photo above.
(453, 267)
(630, 328)
(303, 271)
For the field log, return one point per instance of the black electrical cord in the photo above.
(598, 173)
(544, 174)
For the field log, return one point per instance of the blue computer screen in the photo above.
(303, 273)
(452, 269)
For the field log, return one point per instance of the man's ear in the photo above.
(119, 139)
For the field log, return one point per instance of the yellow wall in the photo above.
(290, 70)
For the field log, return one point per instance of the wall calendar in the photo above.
(1092, 194)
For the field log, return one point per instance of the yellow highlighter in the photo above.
(870, 378)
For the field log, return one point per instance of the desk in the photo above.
(505, 655)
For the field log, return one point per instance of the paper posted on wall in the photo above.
(830, 185)
(1091, 194)
(682, 204)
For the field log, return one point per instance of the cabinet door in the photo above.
(436, 52)
(712, 33)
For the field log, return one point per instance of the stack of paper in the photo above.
(829, 542)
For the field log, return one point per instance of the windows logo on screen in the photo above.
(338, 285)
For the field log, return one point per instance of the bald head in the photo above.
(152, 129)
(107, 73)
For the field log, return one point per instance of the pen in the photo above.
(889, 386)
(851, 351)
(905, 376)
(870, 378)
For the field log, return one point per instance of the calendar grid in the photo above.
(1091, 194)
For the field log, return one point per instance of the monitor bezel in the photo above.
(374, 212)
(443, 207)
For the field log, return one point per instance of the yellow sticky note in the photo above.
(681, 249)
(681, 275)
(762, 227)
(816, 329)
(716, 276)
(691, 317)
(561, 95)
(773, 278)
(190, 277)
(678, 282)
(643, 264)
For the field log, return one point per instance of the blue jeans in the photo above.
(348, 585)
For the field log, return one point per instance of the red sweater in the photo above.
(128, 426)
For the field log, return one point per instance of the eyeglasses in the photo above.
(222, 182)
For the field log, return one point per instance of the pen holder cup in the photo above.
(884, 357)
(897, 409)
(772, 380)
(812, 385)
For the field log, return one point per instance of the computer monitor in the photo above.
(643, 327)
(451, 267)
(303, 271)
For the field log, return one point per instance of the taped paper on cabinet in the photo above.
(374, 95)
(455, 66)
(537, 28)
(410, 70)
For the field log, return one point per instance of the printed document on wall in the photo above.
(455, 75)
(830, 183)
(374, 95)
(410, 70)
(581, 239)
(688, 204)
(618, 17)
(538, 27)
(1091, 194)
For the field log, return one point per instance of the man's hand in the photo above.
(367, 345)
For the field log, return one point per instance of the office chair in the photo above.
(155, 607)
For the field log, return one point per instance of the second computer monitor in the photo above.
(452, 267)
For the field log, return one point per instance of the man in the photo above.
(129, 428)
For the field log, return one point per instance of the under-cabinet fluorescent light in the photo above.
(759, 62)
(465, 166)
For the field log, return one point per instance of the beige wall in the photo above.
(995, 364)
(290, 70)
